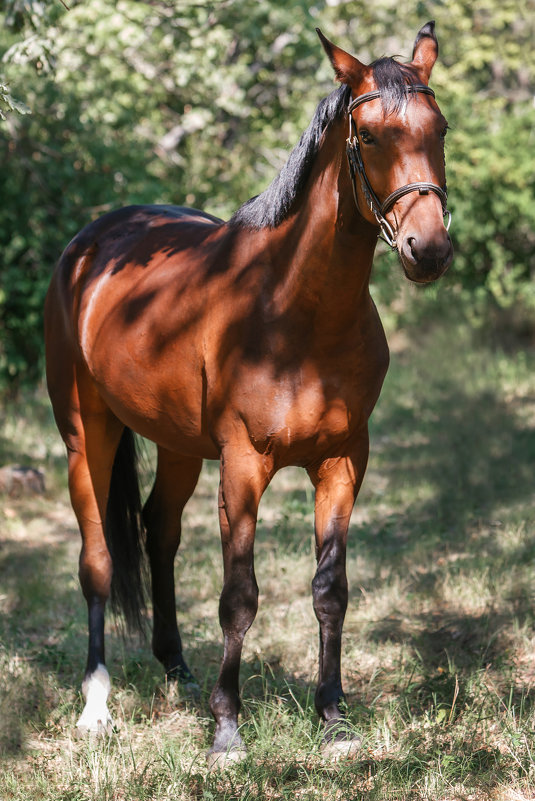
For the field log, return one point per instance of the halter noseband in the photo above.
(356, 167)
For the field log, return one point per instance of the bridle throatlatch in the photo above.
(356, 167)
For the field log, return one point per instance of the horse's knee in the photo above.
(238, 605)
(330, 591)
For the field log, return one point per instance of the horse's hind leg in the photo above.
(176, 478)
(91, 433)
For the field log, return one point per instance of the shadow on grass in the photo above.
(32, 610)
(43, 639)
(460, 464)
(453, 460)
(468, 454)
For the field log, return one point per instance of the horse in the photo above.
(255, 342)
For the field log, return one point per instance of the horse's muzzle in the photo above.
(425, 260)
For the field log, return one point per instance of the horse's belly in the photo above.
(162, 400)
(172, 421)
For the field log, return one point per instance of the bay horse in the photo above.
(253, 341)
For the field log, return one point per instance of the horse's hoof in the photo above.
(90, 730)
(334, 750)
(174, 691)
(191, 691)
(221, 760)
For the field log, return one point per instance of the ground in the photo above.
(439, 643)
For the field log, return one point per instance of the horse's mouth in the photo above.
(424, 278)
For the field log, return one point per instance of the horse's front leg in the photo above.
(243, 480)
(337, 482)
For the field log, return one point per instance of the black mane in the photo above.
(271, 208)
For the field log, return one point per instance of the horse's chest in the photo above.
(305, 411)
(298, 413)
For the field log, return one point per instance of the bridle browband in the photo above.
(356, 167)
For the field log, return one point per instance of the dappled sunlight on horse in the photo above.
(253, 341)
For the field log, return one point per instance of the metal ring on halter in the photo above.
(387, 231)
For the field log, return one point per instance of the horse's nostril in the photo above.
(411, 241)
(419, 251)
(409, 250)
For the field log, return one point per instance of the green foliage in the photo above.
(198, 103)
(9, 103)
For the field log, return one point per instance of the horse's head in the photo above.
(396, 153)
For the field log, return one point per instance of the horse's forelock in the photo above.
(392, 79)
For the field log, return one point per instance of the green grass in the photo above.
(439, 647)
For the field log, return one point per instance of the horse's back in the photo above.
(146, 215)
(114, 236)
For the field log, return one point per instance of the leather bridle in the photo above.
(356, 167)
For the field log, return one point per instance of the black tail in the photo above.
(125, 536)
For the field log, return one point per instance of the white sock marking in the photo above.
(96, 688)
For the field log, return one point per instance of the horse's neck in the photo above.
(321, 257)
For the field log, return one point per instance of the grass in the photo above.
(439, 647)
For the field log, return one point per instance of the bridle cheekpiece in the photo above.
(356, 167)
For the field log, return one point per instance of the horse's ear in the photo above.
(425, 50)
(347, 68)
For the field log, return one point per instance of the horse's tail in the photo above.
(125, 535)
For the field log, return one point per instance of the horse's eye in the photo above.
(444, 132)
(366, 137)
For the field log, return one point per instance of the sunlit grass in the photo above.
(439, 647)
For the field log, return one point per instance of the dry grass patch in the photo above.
(439, 647)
